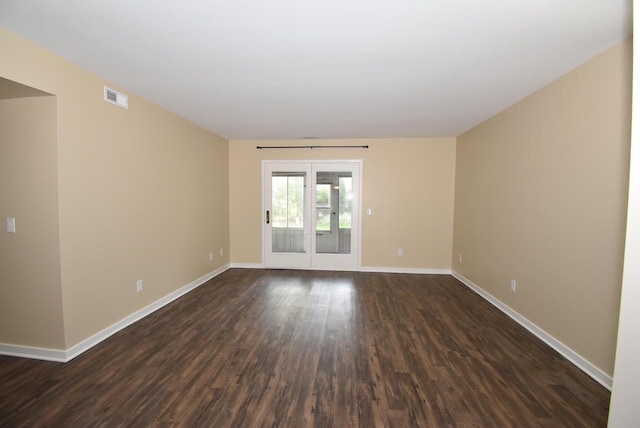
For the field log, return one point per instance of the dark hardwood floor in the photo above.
(300, 348)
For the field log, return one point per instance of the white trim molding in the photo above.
(85, 345)
(419, 271)
(594, 372)
(373, 269)
(92, 341)
(45, 354)
(247, 265)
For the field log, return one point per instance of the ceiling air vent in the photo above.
(115, 97)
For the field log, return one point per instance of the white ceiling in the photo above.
(257, 69)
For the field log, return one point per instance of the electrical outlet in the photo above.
(139, 285)
(221, 252)
(513, 285)
(211, 256)
(11, 225)
(459, 258)
(400, 252)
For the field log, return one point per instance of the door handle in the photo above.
(267, 217)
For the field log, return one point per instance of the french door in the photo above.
(311, 214)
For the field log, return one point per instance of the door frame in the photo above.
(356, 246)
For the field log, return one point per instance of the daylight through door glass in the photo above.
(287, 204)
(333, 212)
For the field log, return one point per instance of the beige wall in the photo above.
(623, 409)
(30, 285)
(541, 198)
(143, 194)
(408, 184)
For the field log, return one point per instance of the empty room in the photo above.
(337, 213)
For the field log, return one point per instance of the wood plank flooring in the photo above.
(256, 348)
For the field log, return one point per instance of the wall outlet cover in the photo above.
(11, 225)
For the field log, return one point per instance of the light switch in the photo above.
(368, 211)
(11, 225)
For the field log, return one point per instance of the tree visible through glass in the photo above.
(287, 201)
(346, 194)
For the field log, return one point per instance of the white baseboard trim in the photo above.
(247, 265)
(92, 341)
(65, 356)
(85, 345)
(34, 353)
(362, 269)
(594, 372)
(405, 270)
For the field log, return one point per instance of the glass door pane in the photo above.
(288, 211)
(333, 212)
(344, 213)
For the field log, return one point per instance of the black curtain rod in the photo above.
(311, 147)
